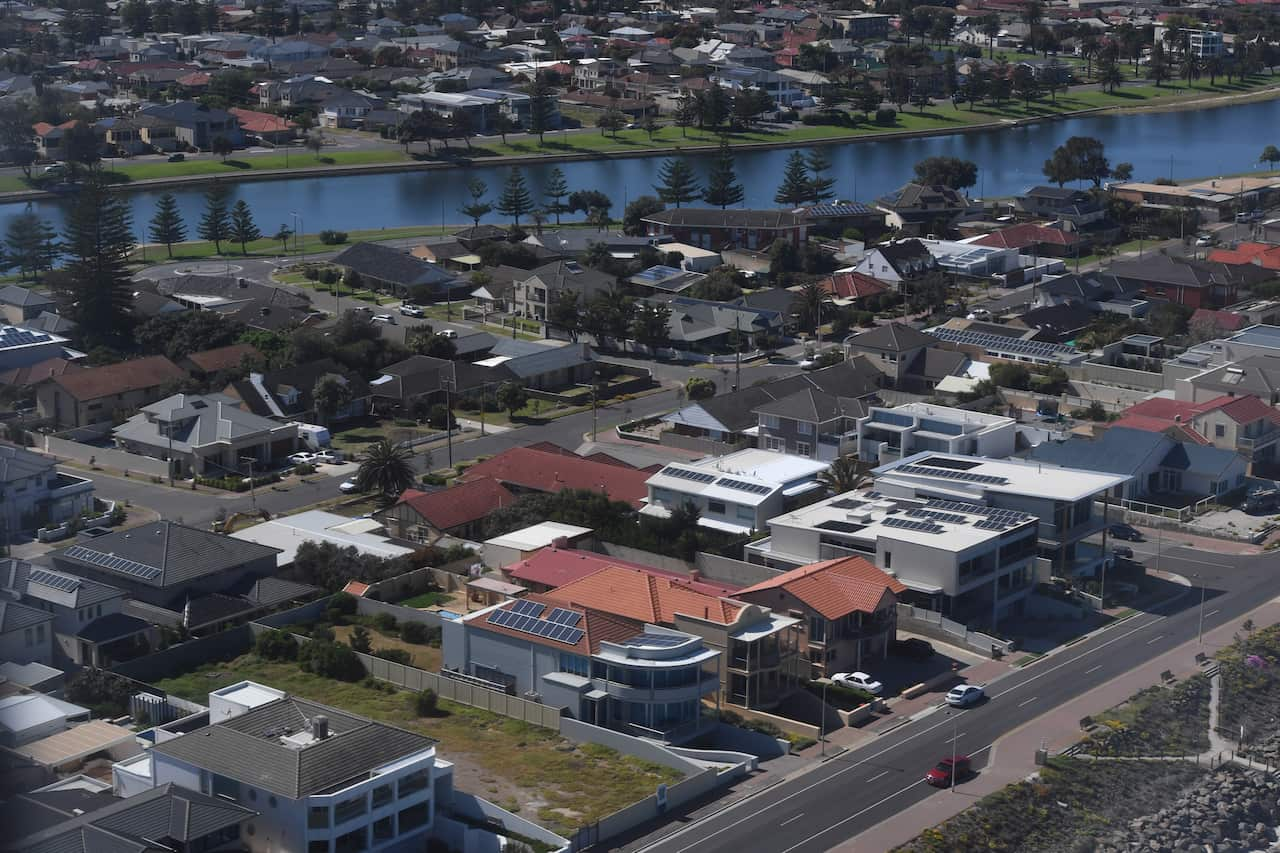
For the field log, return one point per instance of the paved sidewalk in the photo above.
(1013, 757)
(1176, 538)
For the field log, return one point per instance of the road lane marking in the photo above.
(877, 776)
(1155, 639)
(1027, 701)
(1211, 612)
(957, 737)
(792, 819)
(1094, 669)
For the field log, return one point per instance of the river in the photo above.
(1180, 144)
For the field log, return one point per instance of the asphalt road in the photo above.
(856, 791)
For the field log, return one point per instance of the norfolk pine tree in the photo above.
(98, 241)
(515, 199)
(167, 226)
(243, 229)
(215, 223)
(676, 182)
(723, 189)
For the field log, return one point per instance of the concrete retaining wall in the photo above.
(699, 445)
(580, 732)
(1111, 375)
(929, 623)
(369, 607)
(645, 558)
(107, 457)
(730, 571)
(477, 809)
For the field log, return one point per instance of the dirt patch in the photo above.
(423, 657)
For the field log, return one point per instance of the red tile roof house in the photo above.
(1245, 425)
(97, 394)
(458, 511)
(1264, 255)
(759, 648)
(1037, 239)
(554, 567)
(222, 358)
(524, 469)
(847, 288)
(271, 128)
(848, 608)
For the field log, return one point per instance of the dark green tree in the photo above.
(795, 182)
(723, 188)
(385, 468)
(821, 185)
(512, 397)
(215, 223)
(29, 244)
(243, 229)
(541, 106)
(676, 182)
(167, 226)
(515, 200)
(555, 190)
(477, 208)
(98, 242)
(947, 171)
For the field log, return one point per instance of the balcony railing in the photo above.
(1257, 442)
(1052, 533)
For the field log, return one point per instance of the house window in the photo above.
(28, 637)
(1219, 430)
(746, 513)
(817, 629)
(888, 560)
(40, 628)
(803, 448)
(576, 664)
(715, 506)
(770, 421)
(804, 428)
(773, 444)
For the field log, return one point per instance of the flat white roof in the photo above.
(978, 475)
(747, 477)
(251, 694)
(28, 711)
(949, 414)
(537, 536)
(290, 531)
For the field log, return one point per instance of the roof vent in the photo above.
(320, 727)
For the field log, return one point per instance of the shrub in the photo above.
(385, 622)
(394, 655)
(331, 660)
(323, 632)
(328, 276)
(344, 603)
(700, 388)
(333, 238)
(425, 703)
(886, 116)
(311, 274)
(304, 469)
(276, 645)
(359, 639)
(413, 632)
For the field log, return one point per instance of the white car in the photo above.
(329, 457)
(449, 333)
(384, 318)
(858, 681)
(412, 311)
(1205, 240)
(348, 486)
(302, 457)
(964, 695)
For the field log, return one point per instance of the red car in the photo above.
(946, 771)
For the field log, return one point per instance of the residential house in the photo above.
(531, 469)
(758, 649)
(781, 88)
(1074, 207)
(295, 94)
(1008, 342)
(1038, 240)
(258, 306)
(918, 209)
(397, 271)
(737, 493)
(97, 394)
(23, 347)
(848, 609)
(535, 296)
(862, 26)
(541, 367)
(885, 434)
(968, 561)
(1055, 323)
(715, 229)
(906, 357)
(1186, 281)
(198, 125)
(849, 287)
(614, 672)
(26, 634)
(421, 378)
(810, 423)
(700, 324)
(459, 511)
(1153, 464)
(268, 127)
(319, 777)
(1064, 499)
(288, 394)
(288, 533)
(19, 304)
(1241, 424)
(89, 626)
(555, 566)
(1098, 291)
(1265, 255)
(1258, 376)
(206, 435)
(220, 359)
(26, 378)
(348, 109)
(34, 493)
(897, 262)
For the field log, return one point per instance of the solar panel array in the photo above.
(840, 526)
(14, 336)
(939, 516)
(848, 503)
(656, 273)
(528, 608)
(742, 486)
(1000, 343)
(853, 209)
(49, 579)
(958, 506)
(948, 474)
(997, 514)
(908, 524)
(111, 561)
(567, 634)
(564, 617)
(686, 474)
(664, 641)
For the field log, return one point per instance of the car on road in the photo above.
(1126, 532)
(965, 695)
(1206, 240)
(1249, 216)
(302, 457)
(948, 771)
(177, 158)
(808, 364)
(1123, 551)
(329, 457)
(349, 486)
(363, 309)
(412, 311)
(449, 333)
(55, 169)
(384, 318)
(913, 647)
(858, 681)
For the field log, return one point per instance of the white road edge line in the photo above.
(792, 819)
(1027, 701)
(1094, 669)
(1211, 612)
(880, 775)
(1155, 639)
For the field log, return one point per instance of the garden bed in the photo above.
(1156, 721)
(1250, 692)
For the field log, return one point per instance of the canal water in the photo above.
(1179, 144)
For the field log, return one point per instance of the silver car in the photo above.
(965, 695)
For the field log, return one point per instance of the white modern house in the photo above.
(34, 493)
(736, 493)
(322, 780)
(886, 434)
(968, 561)
(1071, 503)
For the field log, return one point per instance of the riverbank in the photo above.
(939, 120)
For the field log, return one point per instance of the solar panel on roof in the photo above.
(990, 524)
(112, 562)
(740, 485)
(49, 579)
(564, 617)
(529, 624)
(656, 640)
(686, 474)
(939, 516)
(908, 524)
(527, 608)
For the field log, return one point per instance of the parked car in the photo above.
(449, 333)
(412, 311)
(1124, 531)
(349, 486)
(177, 158)
(329, 457)
(1123, 551)
(1206, 240)
(965, 695)
(55, 169)
(913, 647)
(859, 681)
(302, 457)
(947, 771)
(384, 318)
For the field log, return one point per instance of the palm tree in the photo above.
(843, 475)
(385, 468)
(809, 302)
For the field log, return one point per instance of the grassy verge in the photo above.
(560, 785)
(1156, 721)
(269, 248)
(256, 163)
(1073, 803)
(423, 657)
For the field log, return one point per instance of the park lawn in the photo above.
(268, 247)
(567, 786)
(258, 162)
(13, 184)
(423, 657)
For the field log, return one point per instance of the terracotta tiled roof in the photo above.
(1028, 234)
(638, 594)
(120, 378)
(550, 472)
(555, 567)
(462, 504)
(1264, 255)
(356, 588)
(835, 588)
(1177, 431)
(1244, 410)
(853, 285)
(256, 122)
(38, 372)
(597, 626)
(1228, 321)
(223, 358)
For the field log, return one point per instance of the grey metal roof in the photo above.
(16, 617)
(199, 420)
(392, 265)
(16, 575)
(179, 553)
(814, 406)
(248, 748)
(112, 626)
(1119, 450)
(11, 294)
(893, 337)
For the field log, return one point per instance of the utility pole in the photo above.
(450, 385)
(955, 726)
(253, 494)
(1200, 632)
(737, 351)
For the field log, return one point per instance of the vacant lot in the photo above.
(423, 657)
(523, 768)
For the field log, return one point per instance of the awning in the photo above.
(495, 585)
(726, 526)
(801, 488)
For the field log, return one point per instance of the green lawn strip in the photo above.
(433, 598)
(1073, 804)
(239, 164)
(578, 785)
(1155, 721)
(1026, 659)
(308, 244)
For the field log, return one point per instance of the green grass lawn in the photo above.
(270, 248)
(568, 785)
(257, 162)
(434, 598)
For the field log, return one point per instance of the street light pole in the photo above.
(955, 727)
(822, 719)
(253, 494)
(1200, 632)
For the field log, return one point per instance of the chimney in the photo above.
(320, 727)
